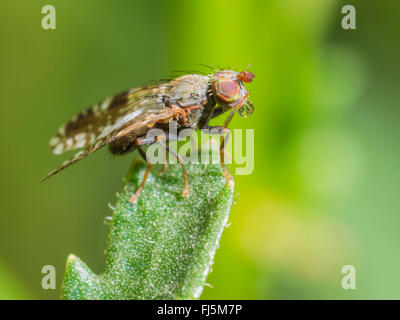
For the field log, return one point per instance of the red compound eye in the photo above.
(226, 90)
(246, 76)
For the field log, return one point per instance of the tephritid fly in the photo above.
(122, 121)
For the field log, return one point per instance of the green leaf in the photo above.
(163, 245)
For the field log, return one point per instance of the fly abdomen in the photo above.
(121, 146)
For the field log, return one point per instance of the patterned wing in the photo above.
(105, 117)
(111, 119)
(79, 156)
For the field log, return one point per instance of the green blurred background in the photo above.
(325, 189)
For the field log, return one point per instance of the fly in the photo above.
(123, 120)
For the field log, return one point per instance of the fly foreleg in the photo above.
(222, 130)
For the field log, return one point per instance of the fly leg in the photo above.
(176, 110)
(146, 173)
(139, 142)
(180, 112)
(161, 141)
(165, 164)
(222, 130)
(174, 137)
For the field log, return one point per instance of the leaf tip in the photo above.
(79, 281)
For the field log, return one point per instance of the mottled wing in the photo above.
(79, 156)
(105, 117)
(129, 113)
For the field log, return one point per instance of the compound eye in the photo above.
(227, 90)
